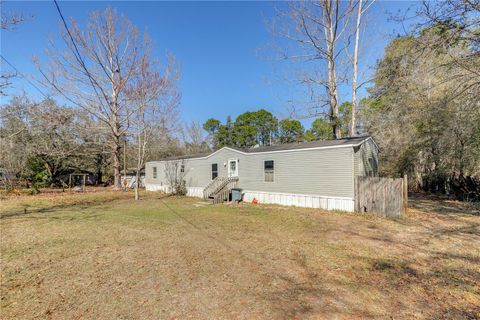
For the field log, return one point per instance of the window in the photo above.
(182, 168)
(268, 169)
(214, 170)
(154, 172)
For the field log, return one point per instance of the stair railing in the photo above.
(223, 191)
(212, 186)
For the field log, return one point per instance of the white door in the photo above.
(233, 168)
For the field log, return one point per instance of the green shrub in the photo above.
(37, 173)
(181, 189)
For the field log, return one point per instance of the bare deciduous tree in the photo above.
(361, 9)
(153, 98)
(319, 29)
(194, 138)
(10, 20)
(55, 137)
(6, 81)
(457, 22)
(352, 126)
(95, 69)
(424, 127)
(175, 172)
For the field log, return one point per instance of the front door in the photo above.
(233, 168)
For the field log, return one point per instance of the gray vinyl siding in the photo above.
(324, 172)
(366, 150)
(149, 173)
(198, 171)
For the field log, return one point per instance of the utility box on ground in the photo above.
(236, 194)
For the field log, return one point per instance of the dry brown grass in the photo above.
(86, 256)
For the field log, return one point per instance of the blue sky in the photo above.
(217, 45)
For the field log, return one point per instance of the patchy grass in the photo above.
(51, 201)
(103, 255)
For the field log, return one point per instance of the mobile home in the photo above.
(316, 174)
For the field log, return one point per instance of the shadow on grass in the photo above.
(455, 256)
(78, 216)
(292, 301)
(434, 272)
(312, 294)
(471, 229)
(458, 313)
(446, 207)
(82, 205)
(77, 205)
(80, 213)
(400, 277)
(29, 211)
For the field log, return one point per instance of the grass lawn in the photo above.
(105, 256)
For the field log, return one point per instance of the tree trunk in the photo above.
(354, 78)
(115, 125)
(52, 172)
(117, 181)
(139, 164)
(98, 165)
(137, 181)
(330, 25)
(332, 92)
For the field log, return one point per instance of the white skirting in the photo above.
(300, 200)
(195, 192)
(157, 187)
(191, 191)
(286, 199)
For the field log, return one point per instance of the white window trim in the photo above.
(211, 170)
(264, 172)
(228, 167)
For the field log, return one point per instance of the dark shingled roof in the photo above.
(281, 147)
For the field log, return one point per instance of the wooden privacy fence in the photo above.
(384, 196)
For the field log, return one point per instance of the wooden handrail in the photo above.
(208, 186)
(216, 185)
(224, 183)
(212, 186)
(219, 188)
(222, 194)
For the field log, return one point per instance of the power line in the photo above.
(77, 54)
(23, 76)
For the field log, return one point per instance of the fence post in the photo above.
(405, 193)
